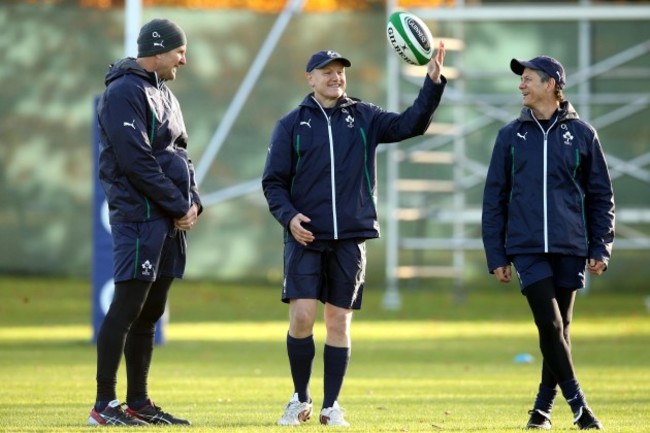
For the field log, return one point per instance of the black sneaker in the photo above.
(152, 414)
(539, 420)
(586, 420)
(113, 414)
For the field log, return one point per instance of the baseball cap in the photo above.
(543, 63)
(321, 58)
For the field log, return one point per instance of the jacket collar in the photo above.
(344, 101)
(565, 112)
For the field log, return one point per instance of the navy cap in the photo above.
(543, 63)
(322, 58)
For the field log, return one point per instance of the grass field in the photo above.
(435, 365)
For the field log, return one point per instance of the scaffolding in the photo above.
(464, 173)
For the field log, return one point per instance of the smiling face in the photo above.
(328, 83)
(537, 94)
(168, 63)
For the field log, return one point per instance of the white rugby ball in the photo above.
(410, 38)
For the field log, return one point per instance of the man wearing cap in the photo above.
(148, 179)
(320, 184)
(548, 209)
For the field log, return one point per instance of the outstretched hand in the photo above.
(434, 68)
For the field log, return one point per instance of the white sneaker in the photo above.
(296, 412)
(333, 416)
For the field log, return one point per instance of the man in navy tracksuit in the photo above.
(320, 184)
(153, 200)
(548, 208)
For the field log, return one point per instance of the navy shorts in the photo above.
(148, 250)
(567, 271)
(331, 271)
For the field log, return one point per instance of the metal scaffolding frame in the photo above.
(468, 173)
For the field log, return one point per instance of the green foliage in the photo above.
(435, 365)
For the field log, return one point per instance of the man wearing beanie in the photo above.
(148, 179)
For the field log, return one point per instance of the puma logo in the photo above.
(523, 137)
(132, 124)
(159, 44)
(308, 123)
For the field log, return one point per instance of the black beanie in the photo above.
(159, 36)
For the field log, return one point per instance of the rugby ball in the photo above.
(410, 38)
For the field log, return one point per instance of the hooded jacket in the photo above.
(322, 163)
(144, 167)
(548, 191)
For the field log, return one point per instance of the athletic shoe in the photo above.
(113, 414)
(333, 416)
(539, 420)
(152, 414)
(586, 420)
(296, 412)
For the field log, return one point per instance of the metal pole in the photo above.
(459, 199)
(392, 299)
(584, 88)
(293, 7)
(132, 20)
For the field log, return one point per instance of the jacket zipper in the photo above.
(335, 224)
(333, 179)
(545, 177)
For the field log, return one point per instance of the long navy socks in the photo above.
(336, 364)
(301, 353)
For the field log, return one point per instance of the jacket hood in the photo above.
(126, 66)
(565, 112)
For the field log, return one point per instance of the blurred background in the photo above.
(246, 69)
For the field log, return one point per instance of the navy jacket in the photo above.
(548, 192)
(144, 167)
(324, 166)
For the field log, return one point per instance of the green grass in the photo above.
(435, 365)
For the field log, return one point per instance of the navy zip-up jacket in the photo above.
(548, 191)
(144, 167)
(324, 166)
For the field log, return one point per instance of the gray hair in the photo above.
(559, 94)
